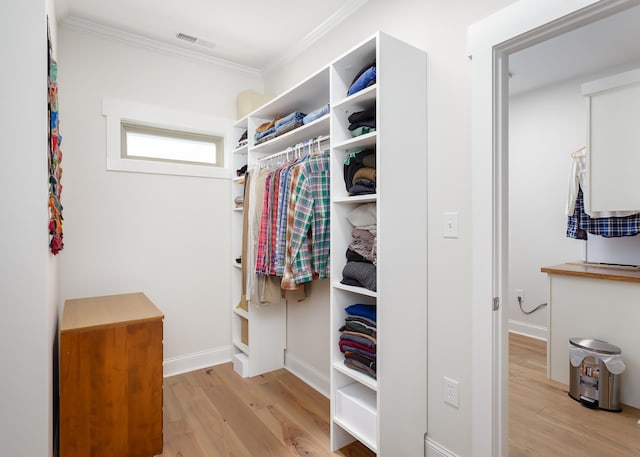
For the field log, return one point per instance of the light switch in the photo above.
(450, 229)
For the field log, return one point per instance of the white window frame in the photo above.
(118, 111)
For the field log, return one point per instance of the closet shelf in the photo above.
(314, 129)
(301, 97)
(362, 141)
(243, 347)
(241, 150)
(355, 434)
(356, 375)
(241, 312)
(236, 209)
(237, 265)
(354, 289)
(356, 199)
(359, 100)
(239, 179)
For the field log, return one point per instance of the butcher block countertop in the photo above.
(596, 271)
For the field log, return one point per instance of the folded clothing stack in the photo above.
(360, 172)
(243, 140)
(358, 339)
(266, 131)
(360, 269)
(362, 122)
(289, 122)
(317, 114)
(365, 78)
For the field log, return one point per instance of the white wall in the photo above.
(28, 273)
(545, 126)
(440, 29)
(167, 236)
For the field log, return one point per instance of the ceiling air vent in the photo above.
(194, 40)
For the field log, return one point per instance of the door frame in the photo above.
(490, 42)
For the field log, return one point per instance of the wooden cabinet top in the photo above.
(113, 310)
(586, 270)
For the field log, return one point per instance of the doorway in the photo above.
(492, 42)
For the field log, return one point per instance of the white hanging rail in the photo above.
(298, 147)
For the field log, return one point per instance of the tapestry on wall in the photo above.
(55, 154)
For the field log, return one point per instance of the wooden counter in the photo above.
(111, 377)
(595, 271)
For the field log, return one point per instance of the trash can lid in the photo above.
(599, 346)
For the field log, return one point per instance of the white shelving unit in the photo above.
(398, 395)
(260, 331)
(387, 414)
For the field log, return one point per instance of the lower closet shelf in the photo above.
(240, 345)
(356, 375)
(356, 412)
(357, 290)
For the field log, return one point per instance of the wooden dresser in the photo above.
(111, 377)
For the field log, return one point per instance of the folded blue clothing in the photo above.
(266, 137)
(367, 78)
(296, 116)
(317, 114)
(259, 135)
(368, 311)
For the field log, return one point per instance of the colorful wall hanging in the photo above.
(55, 155)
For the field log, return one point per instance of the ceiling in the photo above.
(258, 35)
(589, 50)
(250, 33)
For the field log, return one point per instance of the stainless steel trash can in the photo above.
(591, 380)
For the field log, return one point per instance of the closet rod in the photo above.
(290, 149)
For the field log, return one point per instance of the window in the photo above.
(150, 139)
(153, 143)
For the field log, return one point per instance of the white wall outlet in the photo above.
(451, 392)
(520, 293)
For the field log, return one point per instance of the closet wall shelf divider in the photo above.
(364, 97)
(355, 289)
(362, 141)
(243, 347)
(241, 150)
(356, 199)
(359, 437)
(356, 376)
(241, 312)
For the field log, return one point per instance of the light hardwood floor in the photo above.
(215, 413)
(545, 421)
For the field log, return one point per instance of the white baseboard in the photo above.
(531, 330)
(197, 360)
(310, 375)
(433, 449)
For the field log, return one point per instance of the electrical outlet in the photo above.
(451, 392)
(520, 293)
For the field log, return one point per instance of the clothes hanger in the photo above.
(579, 152)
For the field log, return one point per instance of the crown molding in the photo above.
(347, 9)
(83, 25)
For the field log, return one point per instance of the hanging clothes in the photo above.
(608, 224)
(580, 223)
(291, 224)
